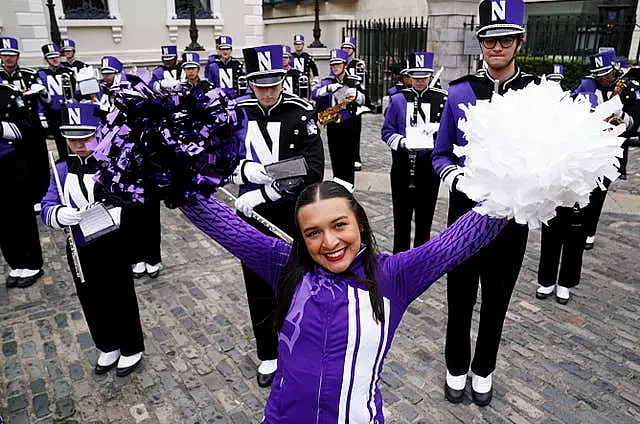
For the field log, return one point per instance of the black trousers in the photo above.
(37, 160)
(108, 296)
(260, 295)
(593, 210)
(564, 238)
(496, 267)
(140, 224)
(342, 141)
(54, 120)
(625, 157)
(358, 122)
(19, 236)
(421, 198)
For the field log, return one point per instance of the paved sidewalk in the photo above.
(578, 363)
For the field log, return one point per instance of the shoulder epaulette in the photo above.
(439, 90)
(466, 78)
(302, 103)
(247, 102)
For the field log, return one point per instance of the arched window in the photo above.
(202, 9)
(86, 9)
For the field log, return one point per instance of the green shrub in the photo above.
(574, 70)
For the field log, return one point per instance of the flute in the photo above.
(67, 230)
(261, 219)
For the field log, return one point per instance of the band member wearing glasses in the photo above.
(409, 128)
(496, 266)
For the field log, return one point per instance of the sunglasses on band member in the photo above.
(505, 42)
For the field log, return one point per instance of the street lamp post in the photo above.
(55, 30)
(316, 28)
(193, 30)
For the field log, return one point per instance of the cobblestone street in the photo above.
(578, 363)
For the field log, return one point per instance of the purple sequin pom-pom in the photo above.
(170, 147)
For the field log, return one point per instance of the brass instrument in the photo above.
(332, 114)
(73, 248)
(67, 88)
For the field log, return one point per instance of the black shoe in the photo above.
(623, 176)
(482, 399)
(265, 380)
(541, 295)
(453, 395)
(103, 369)
(123, 372)
(588, 246)
(24, 282)
(12, 281)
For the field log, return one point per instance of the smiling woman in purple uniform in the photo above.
(339, 300)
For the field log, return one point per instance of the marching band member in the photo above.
(141, 227)
(291, 82)
(558, 73)
(19, 238)
(409, 128)
(69, 52)
(60, 83)
(399, 69)
(167, 76)
(303, 61)
(598, 87)
(36, 96)
(339, 301)
(276, 126)
(501, 36)
(107, 295)
(191, 68)
(355, 67)
(223, 70)
(335, 91)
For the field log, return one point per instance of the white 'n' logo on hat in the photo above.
(599, 61)
(223, 40)
(420, 61)
(498, 10)
(165, 51)
(105, 62)
(264, 61)
(189, 57)
(74, 116)
(6, 43)
(556, 69)
(334, 54)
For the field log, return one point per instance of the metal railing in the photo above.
(576, 37)
(382, 42)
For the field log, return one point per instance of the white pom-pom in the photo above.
(534, 149)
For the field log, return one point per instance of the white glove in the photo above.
(398, 142)
(332, 88)
(43, 121)
(36, 88)
(249, 171)
(350, 92)
(248, 201)
(315, 81)
(169, 84)
(68, 216)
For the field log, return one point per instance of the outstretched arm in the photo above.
(265, 255)
(412, 272)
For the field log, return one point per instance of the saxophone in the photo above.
(332, 114)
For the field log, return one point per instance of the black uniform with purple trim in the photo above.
(498, 264)
(291, 120)
(35, 148)
(19, 237)
(412, 108)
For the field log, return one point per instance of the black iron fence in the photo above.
(382, 42)
(576, 37)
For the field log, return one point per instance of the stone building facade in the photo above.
(132, 30)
